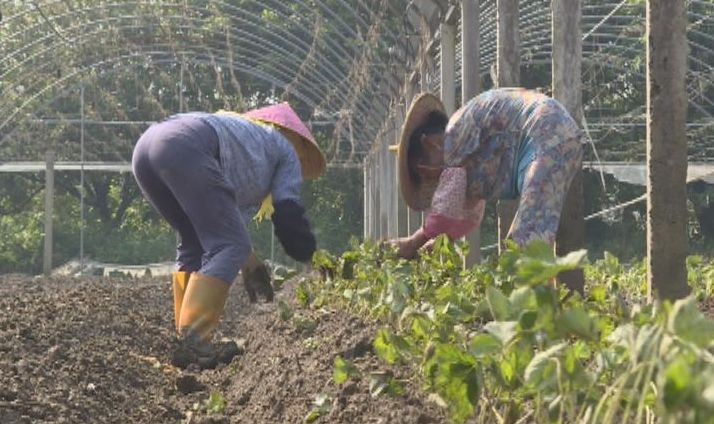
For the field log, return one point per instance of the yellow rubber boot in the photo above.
(201, 310)
(179, 281)
(203, 305)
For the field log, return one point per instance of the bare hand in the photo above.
(429, 246)
(406, 247)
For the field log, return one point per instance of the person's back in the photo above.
(502, 109)
(249, 154)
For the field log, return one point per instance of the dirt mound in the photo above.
(97, 350)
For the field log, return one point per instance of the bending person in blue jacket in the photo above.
(207, 174)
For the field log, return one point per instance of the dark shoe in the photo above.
(226, 351)
(193, 350)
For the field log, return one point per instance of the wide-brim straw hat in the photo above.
(416, 195)
(312, 161)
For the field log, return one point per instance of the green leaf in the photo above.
(623, 335)
(323, 259)
(484, 345)
(302, 294)
(348, 294)
(598, 294)
(678, 378)
(498, 304)
(457, 380)
(534, 271)
(523, 298)
(508, 370)
(343, 370)
(528, 319)
(504, 331)
(215, 404)
(397, 296)
(573, 259)
(645, 337)
(707, 396)
(483, 310)
(577, 321)
(541, 367)
(312, 416)
(539, 249)
(421, 326)
(538, 264)
(384, 383)
(284, 311)
(378, 383)
(304, 325)
(321, 406)
(571, 361)
(385, 347)
(687, 322)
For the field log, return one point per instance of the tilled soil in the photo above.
(96, 350)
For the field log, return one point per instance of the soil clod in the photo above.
(187, 384)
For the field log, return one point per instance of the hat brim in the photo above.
(416, 195)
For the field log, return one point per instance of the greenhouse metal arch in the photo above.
(351, 67)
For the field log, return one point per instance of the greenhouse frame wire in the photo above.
(606, 43)
(339, 77)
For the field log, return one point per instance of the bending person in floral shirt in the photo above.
(506, 143)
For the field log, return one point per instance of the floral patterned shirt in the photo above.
(481, 150)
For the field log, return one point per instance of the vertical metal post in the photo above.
(448, 67)
(378, 178)
(49, 211)
(181, 108)
(81, 180)
(667, 149)
(384, 200)
(470, 49)
(508, 74)
(393, 193)
(365, 198)
(413, 217)
(402, 209)
(567, 88)
(372, 197)
(388, 188)
(376, 219)
(423, 63)
(470, 87)
(508, 44)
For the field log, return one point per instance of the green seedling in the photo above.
(499, 343)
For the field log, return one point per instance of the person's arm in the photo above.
(451, 214)
(287, 178)
(408, 246)
(291, 225)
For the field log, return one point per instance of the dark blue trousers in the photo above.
(177, 167)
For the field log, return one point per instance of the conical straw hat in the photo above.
(416, 195)
(284, 117)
